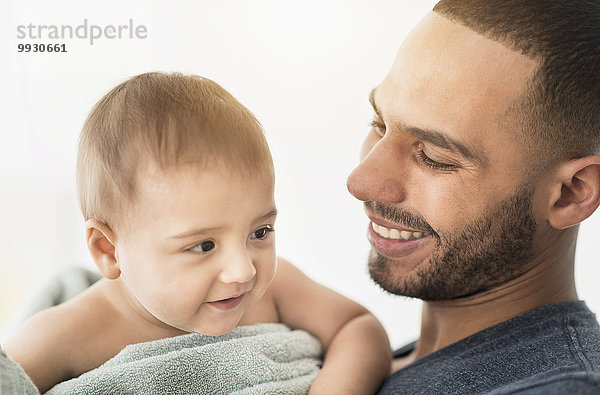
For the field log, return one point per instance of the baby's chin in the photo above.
(212, 329)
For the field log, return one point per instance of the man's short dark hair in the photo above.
(561, 109)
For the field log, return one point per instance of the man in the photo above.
(481, 162)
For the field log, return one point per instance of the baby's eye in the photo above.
(262, 233)
(204, 246)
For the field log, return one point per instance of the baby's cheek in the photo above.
(272, 267)
(265, 273)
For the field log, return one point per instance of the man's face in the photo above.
(442, 176)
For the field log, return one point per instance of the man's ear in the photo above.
(100, 242)
(575, 191)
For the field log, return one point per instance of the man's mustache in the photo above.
(400, 216)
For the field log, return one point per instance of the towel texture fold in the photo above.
(257, 359)
(13, 379)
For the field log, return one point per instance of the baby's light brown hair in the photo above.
(165, 120)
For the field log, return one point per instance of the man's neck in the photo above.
(548, 279)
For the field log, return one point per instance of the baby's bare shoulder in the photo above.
(287, 276)
(50, 345)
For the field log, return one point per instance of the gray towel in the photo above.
(65, 285)
(257, 359)
(13, 379)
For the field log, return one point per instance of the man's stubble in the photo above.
(488, 252)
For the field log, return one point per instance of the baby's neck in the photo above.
(105, 325)
(133, 316)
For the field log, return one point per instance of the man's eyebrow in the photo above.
(200, 231)
(434, 137)
(442, 140)
(373, 104)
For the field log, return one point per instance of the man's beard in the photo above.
(487, 252)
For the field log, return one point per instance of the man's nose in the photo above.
(237, 268)
(380, 176)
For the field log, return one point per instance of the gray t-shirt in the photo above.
(551, 350)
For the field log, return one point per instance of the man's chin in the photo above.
(420, 280)
(398, 278)
(428, 280)
(486, 252)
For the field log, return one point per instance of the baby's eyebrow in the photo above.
(200, 231)
(268, 215)
(194, 232)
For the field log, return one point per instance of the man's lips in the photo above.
(398, 234)
(395, 243)
(378, 220)
(227, 304)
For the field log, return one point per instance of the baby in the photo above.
(176, 181)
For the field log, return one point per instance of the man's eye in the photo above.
(427, 161)
(378, 126)
(204, 246)
(262, 233)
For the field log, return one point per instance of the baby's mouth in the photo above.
(398, 234)
(227, 304)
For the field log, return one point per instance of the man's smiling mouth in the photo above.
(397, 234)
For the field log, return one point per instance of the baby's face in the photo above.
(200, 248)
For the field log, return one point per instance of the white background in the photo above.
(305, 68)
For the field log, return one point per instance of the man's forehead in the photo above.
(448, 77)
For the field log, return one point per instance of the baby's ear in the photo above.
(576, 191)
(102, 248)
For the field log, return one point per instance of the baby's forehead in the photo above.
(154, 180)
(152, 173)
(169, 197)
